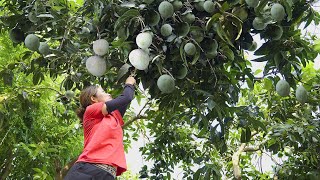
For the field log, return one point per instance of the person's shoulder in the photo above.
(94, 108)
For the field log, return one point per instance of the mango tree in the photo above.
(190, 58)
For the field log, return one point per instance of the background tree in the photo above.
(190, 58)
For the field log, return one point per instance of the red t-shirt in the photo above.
(103, 138)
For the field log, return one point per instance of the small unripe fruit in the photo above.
(44, 48)
(283, 88)
(177, 5)
(144, 40)
(166, 30)
(100, 47)
(301, 94)
(252, 3)
(33, 17)
(32, 42)
(277, 12)
(139, 59)
(199, 6)
(190, 49)
(189, 18)
(69, 94)
(96, 65)
(258, 23)
(166, 9)
(208, 6)
(166, 83)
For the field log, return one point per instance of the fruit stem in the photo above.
(169, 73)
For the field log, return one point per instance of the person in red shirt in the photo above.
(103, 154)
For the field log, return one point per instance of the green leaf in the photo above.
(265, 49)
(204, 92)
(316, 46)
(248, 134)
(225, 6)
(37, 77)
(7, 77)
(202, 132)
(37, 170)
(243, 136)
(229, 53)
(259, 8)
(195, 28)
(310, 17)
(196, 57)
(258, 71)
(197, 174)
(267, 84)
(71, 48)
(261, 59)
(127, 16)
(250, 83)
(288, 6)
(123, 70)
(256, 124)
(219, 111)
(238, 23)
(68, 83)
(211, 104)
(183, 55)
(221, 33)
(212, 20)
(208, 174)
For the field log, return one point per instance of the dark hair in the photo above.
(85, 100)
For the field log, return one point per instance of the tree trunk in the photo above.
(6, 168)
(235, 162)
(63, 171)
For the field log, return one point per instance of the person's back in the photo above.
(103, 155)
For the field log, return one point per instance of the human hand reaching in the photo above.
(131, 80)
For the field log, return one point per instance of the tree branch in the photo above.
(251, 149)
(235, 161)
(138, 116)
(7, 166)
(255, 148)
(243, 148)
(132, 120)
(63, 172)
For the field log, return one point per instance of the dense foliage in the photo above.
(215, 117)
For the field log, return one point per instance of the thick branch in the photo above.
(235, 162)
(251, 149)
(7, 166)
(256, 148)
(63, 172)
(138, 116)
(133, 120)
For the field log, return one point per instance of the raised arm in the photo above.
(121, 102)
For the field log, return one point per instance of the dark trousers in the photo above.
(87, 171)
